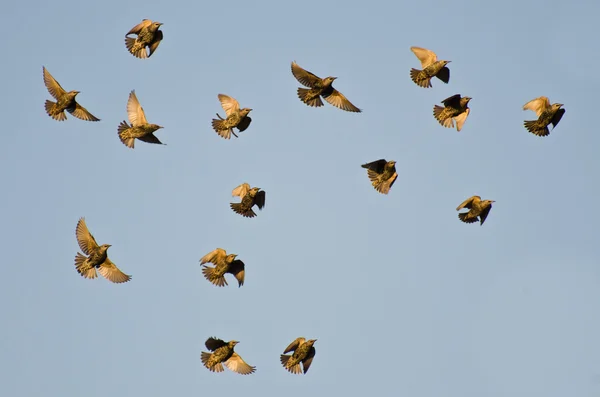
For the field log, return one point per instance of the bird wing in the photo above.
(485, 213)
(294, 345)
(237, 364)
(461, 118)
(453, 101)
(338, 100)
(538, 105)
(468, 202)
(157, 39)
(244, 123)
(376, 166)
(135, 112)
(309, 357)
(86, 241)
(217, 256)
(150, 138)
(137, 28)
(112, 273)
(237, 268)
(82, 113)
(213, 344)
(305, 77)
(444, 74)
(241, 190)
(52, 85)
(229, 104)
(259, 199)
(392, 179)
(557, 116)
(426, 56)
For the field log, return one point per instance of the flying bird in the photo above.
(477, 209)
(97, 257)
(223, 353)
(236, 117)
(382, 174)
(224, 264)
(431, 67)
(250, 197)
(148, 35)
(64, 101)
(304, 352)
(320, 88)
(547, 114)
(455, 109)
(139, 128)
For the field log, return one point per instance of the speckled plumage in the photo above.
(64, 101)
(304, 352)
(223, 353)
(547, 114)
(431, 68)
(139, 128)
(250, 197)
(455, 109)
(478, 209)
(382, 174)
(224, 263)
(148, 35)
(236, 117)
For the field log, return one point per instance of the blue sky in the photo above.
(403, 298)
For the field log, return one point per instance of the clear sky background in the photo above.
(404, 299)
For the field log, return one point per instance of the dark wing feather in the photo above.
(213, 344)
(557, 116)
(158, 36)
(259, 199)
(484, 214)
(453, 101)
(244, 123)
(305, 77)
(376, 166)
(308, 360)
(444, 74)
(150, 138)
(237, 268)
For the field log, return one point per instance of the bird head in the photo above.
(157, 25)
(244, 112)
(254, 190)
(329, 80)
(156, 127)
(557, 106)
(74, 93)
(446, 62)
(391, 162)
(490, 201)
(311, 342)
(231, 257)
(105, 247)
(232, 343)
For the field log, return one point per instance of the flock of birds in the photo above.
(381, 173)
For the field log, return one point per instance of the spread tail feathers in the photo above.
(85, 270)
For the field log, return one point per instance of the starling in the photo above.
(547, 114)
(431, 67)
(236, 117)
(139, 128)
(224, 264)
(304, 352)
(382, 174)
(320, 88)
(148, 35)
(223, 353)
(455, 109)
(477, 208)
(64, 101)
(97, 257)
(249, 197)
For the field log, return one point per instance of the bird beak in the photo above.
(160, 24)
(108, 245)
(334, 78)
(448, 62)
(560, 105)
(493, 201)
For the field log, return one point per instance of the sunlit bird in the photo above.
(431, 68)
(223, 354)
(64, 101)
(382, 174)
(148, 36)
(250, 197)
(547, 114)
(235, 117)
(304, 352)
(478, 209)
(223, 264)
(139, 128)
(455, 109)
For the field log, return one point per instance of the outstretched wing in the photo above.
(557, 116)
(453, 101)
(52, 85)
(376, 166)
(112, 273)
(337, 99)
(135, 112)
(213, 344)
(305, 77)
(308, 360)
(241, 190)
(229, 104)
(86, 241)
(237, 364)
(82, 113)
(217, 256)
(468, 203)
(538, 105)
(461, 118)
(426, 56)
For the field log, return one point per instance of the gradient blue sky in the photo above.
(403, 298)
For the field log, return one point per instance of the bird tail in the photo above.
(205, 357)
(221, 128)
(420, 78)
(438, 113)
(85, 270)
(51, 110)
(210, 274)
(308, 98)
(136, 50)
(533, 127)
(464, 216)
(123, 130)
(285, 361)
(237, 207)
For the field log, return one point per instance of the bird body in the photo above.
(148, 35)
(382, 174)
(547, 114)
(139, 128)
(223, 353)
(97, 257)
(236, 117)
(223, 264)
(318, 88)
(431, 68)
(455, 109)
(478, 209)
(304, 352)
(64, 101)
(250, 197)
